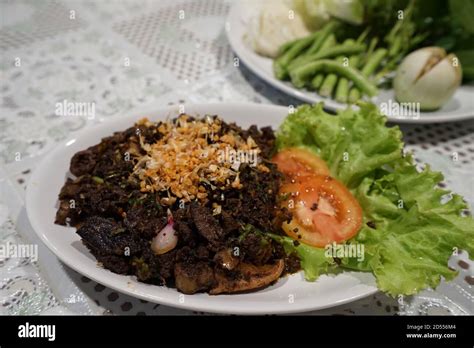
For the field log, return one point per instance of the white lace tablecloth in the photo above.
(130, 54)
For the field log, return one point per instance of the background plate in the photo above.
(460, 107)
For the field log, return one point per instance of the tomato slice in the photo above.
(295, 162)
(324, 210)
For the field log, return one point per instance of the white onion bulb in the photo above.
(427, 76)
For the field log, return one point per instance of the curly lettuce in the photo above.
(313, 261)
(351, 150)
(411, 227)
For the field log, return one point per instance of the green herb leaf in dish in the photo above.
(313, 260)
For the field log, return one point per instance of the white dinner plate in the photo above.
(290, 294)
(460, 107)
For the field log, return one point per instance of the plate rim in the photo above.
(95, 273)
(332, 105)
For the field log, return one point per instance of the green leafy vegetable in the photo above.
(462, 11)
(414, 226)
(416, 231)
(313, 260)
(343, 141)
(466, 58)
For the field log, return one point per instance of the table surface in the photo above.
(125, 55)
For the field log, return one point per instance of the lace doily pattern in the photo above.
(22, 289)
(122, 55)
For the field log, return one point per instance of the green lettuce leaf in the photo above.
(314, 261)
(414, 226)
(418, 227)
(353, 144)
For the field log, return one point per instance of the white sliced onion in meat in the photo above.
(165, 240)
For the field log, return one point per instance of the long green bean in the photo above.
(323, 35)
(342, 89)
(395, 47)
(330, 81)
(325, 84)
(373, 43)
(317, 81)
(281, 63)
(328, 85)
(354, 95)
(286, 46)
(363, 35)
(342, 49)
(302, 74)
(369, 68)
(374, 61)
(330, 42)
